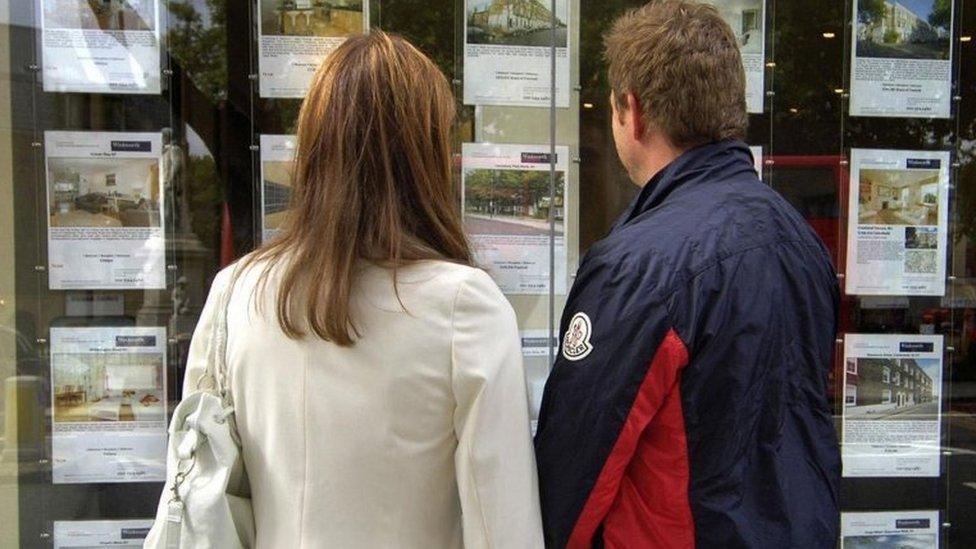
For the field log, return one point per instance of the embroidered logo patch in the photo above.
(576, 342)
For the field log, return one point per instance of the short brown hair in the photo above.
(372, 182)
(682, 63)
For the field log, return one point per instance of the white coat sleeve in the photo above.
(196, 360)
(495, 461)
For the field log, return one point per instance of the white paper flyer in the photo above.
(892, 393)
(748, 21)
(506, 213)
(294, 36)
(108, 393)
(105, 211)
(898, 219)
(100, 47)
(890, 530)
(534, 343)
(89, 534)
(901, 58)
(277, 162)
(757, 158)
(507, 52)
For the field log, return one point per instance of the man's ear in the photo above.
(635, 116)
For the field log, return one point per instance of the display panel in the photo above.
(294, 36)
(901, 58)
(105, 210)
(101, 47)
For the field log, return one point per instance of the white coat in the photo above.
(415, 437)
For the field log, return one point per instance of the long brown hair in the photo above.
(372, 181)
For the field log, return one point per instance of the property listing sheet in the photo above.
(108, 402)
(507, 52)
(105, 210)
(89, 534)
(901, 58)
(109, 46)
(748, 21)
(898, 219)
(294, 36)
(277, 162)
(890, 530)
(506, 213)
(892, 395)
(757, 158)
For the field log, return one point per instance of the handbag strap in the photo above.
(217, 345)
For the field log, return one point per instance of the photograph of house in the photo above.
(105, 15)
(902, 388)
(904, 29)
(898, 197)
(277, 192)
(95, 192)
(921, 238)
(90, 387)
(746, 19)
(324, 18)
(515, 23)
(514, 202)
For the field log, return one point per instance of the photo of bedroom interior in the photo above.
(108, 387)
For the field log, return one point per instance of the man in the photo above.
(688, 405)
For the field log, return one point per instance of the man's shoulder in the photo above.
(698, 228)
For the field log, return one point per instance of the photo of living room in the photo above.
(898, 197)
(95, 192)
(746, 19)
(90, 387)
(325, 18)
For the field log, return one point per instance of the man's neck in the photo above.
(657, 155)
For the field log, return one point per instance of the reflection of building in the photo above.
(512, 16)
(891, 197)
(884, 384)
(898, 25)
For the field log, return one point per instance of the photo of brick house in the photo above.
(891, 388)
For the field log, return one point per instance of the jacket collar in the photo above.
(685, 169)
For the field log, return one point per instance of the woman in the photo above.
(376, 374)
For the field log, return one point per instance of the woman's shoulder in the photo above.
(445, 275)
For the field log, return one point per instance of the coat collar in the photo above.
(685, 169)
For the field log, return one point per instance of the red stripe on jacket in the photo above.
(641, 494)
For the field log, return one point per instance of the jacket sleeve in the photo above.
(495, 465)
(606, 386)
(196, 360)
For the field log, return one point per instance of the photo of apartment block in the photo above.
(909, 29)
(901, 388)
(513, 23)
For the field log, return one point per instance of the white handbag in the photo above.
(206, 501)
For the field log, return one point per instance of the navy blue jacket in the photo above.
(688, 405)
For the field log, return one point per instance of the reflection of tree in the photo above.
(510, 192)
(204, 197)
(870, 12)
(941, 14)
(199, 46)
